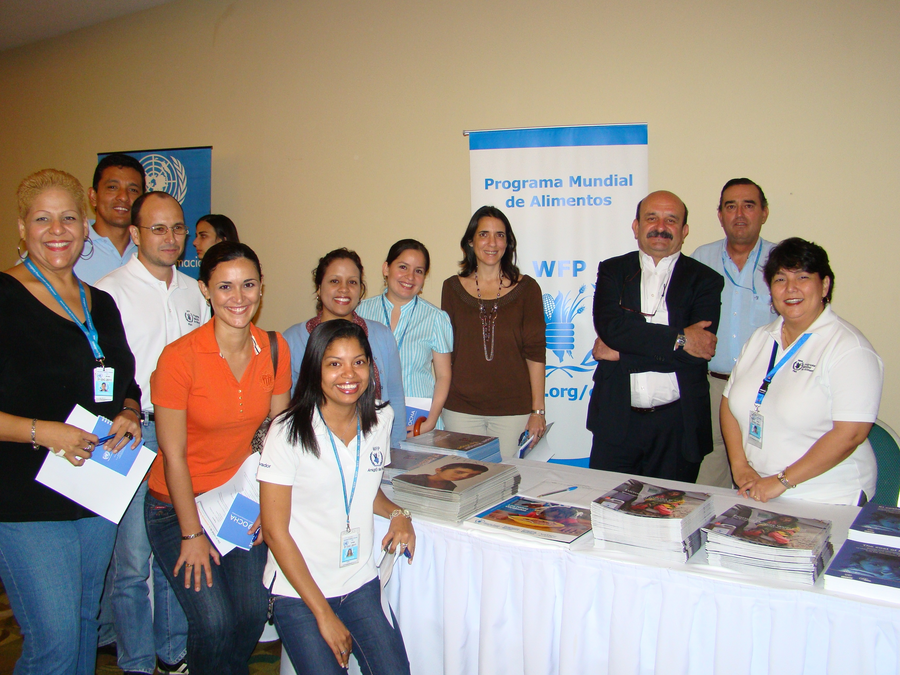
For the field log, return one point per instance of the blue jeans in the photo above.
(224, 621)
(141, 632)
(378, 648)
(53, 573)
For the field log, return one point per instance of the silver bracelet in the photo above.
(34, 445)
(785, 481)
(185, 537)
(400, 512)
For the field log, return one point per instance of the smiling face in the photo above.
(234, 292)
(489, 241)
(661, 229)
(405, 276)
(345, 372)
(54, 230)
(742, 215)
(116, 191)
(798, 296)
(206, 237)
(340, 289)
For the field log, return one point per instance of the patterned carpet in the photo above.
(266, 660)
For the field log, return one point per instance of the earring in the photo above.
(87, 240)
(19, 250)
(207, 303)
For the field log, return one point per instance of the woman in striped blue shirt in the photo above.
(423, 332)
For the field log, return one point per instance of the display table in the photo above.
(483, 602)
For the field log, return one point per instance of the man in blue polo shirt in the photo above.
(746, 304)
(118, 180)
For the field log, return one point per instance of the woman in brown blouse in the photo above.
(498, 358)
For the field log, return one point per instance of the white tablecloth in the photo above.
(480, 602)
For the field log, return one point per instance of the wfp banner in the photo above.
(185, 173)
(570, 195)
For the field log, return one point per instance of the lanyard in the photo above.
(387, 318)
(90, 332)
(764, 387)
(347, 502)
(752, 271)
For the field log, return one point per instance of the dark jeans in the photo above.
(225, 621)
(377, 647)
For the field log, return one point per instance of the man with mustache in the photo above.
(656, 313)
(746, 303)
(158, 305)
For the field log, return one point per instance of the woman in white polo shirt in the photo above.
(320, 478)
(804, 393)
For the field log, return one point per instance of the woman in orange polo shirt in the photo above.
(211, 391)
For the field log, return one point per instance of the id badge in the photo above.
(349, 547)
(103, 384)
(755, 433)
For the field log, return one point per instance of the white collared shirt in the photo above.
(650, 388)
(153, 314)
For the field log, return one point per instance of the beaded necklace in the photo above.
(488, 318)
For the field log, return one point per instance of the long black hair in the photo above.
(308, 394)
(223, 226)
(469, 264)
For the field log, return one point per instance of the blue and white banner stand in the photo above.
(186, 174)
(570, 195)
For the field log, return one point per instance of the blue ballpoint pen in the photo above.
(556, 492)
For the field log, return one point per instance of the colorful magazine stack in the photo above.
(769, 544)
(868, 563)
(535, 518)
(650, 520)
(471, 446)
(453, 488)
(406, 460)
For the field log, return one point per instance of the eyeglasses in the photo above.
(649, 315)
(160, 230)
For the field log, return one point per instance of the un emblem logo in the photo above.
(165, 174)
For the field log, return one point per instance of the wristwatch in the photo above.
(538, 411)
(680, 341)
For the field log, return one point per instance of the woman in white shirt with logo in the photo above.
(804, 393)
(320, 478)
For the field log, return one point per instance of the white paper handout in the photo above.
(213, 506)
(94, 485)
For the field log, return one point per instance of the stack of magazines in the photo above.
(471, 446)
(529, 517)
(650, 520)
(451, 488)
(406, 460)
(769, 544)
(868, 563)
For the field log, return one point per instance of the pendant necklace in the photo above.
(488, 319)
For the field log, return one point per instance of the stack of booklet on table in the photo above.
(650, 520)
(406, 460)
(451, 488)
(868, 563)
(529, 517)
(471, 446)
(769, 544)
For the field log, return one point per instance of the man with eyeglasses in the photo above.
(655, 313)
(158, 305)
(119, 179)
(746, 303)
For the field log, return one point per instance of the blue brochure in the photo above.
(120, 461)
(241, 516)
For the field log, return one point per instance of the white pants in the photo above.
(507, 428)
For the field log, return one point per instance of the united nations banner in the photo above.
(185, 173)
(570, 195)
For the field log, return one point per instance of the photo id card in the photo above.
(755, 433)
(103, 384)
(349, 547)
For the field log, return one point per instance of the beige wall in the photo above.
(340, 123)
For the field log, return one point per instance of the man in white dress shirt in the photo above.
(158, 304)
(746, 305)
(655, 313)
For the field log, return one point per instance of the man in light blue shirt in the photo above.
(746, 304)
(118, 180)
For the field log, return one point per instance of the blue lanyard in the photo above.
(764, 387)
(387, 318)
(752, 271)
(347, 502)
(90, 332)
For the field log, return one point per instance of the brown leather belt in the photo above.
(654, 409)
(719, 376)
